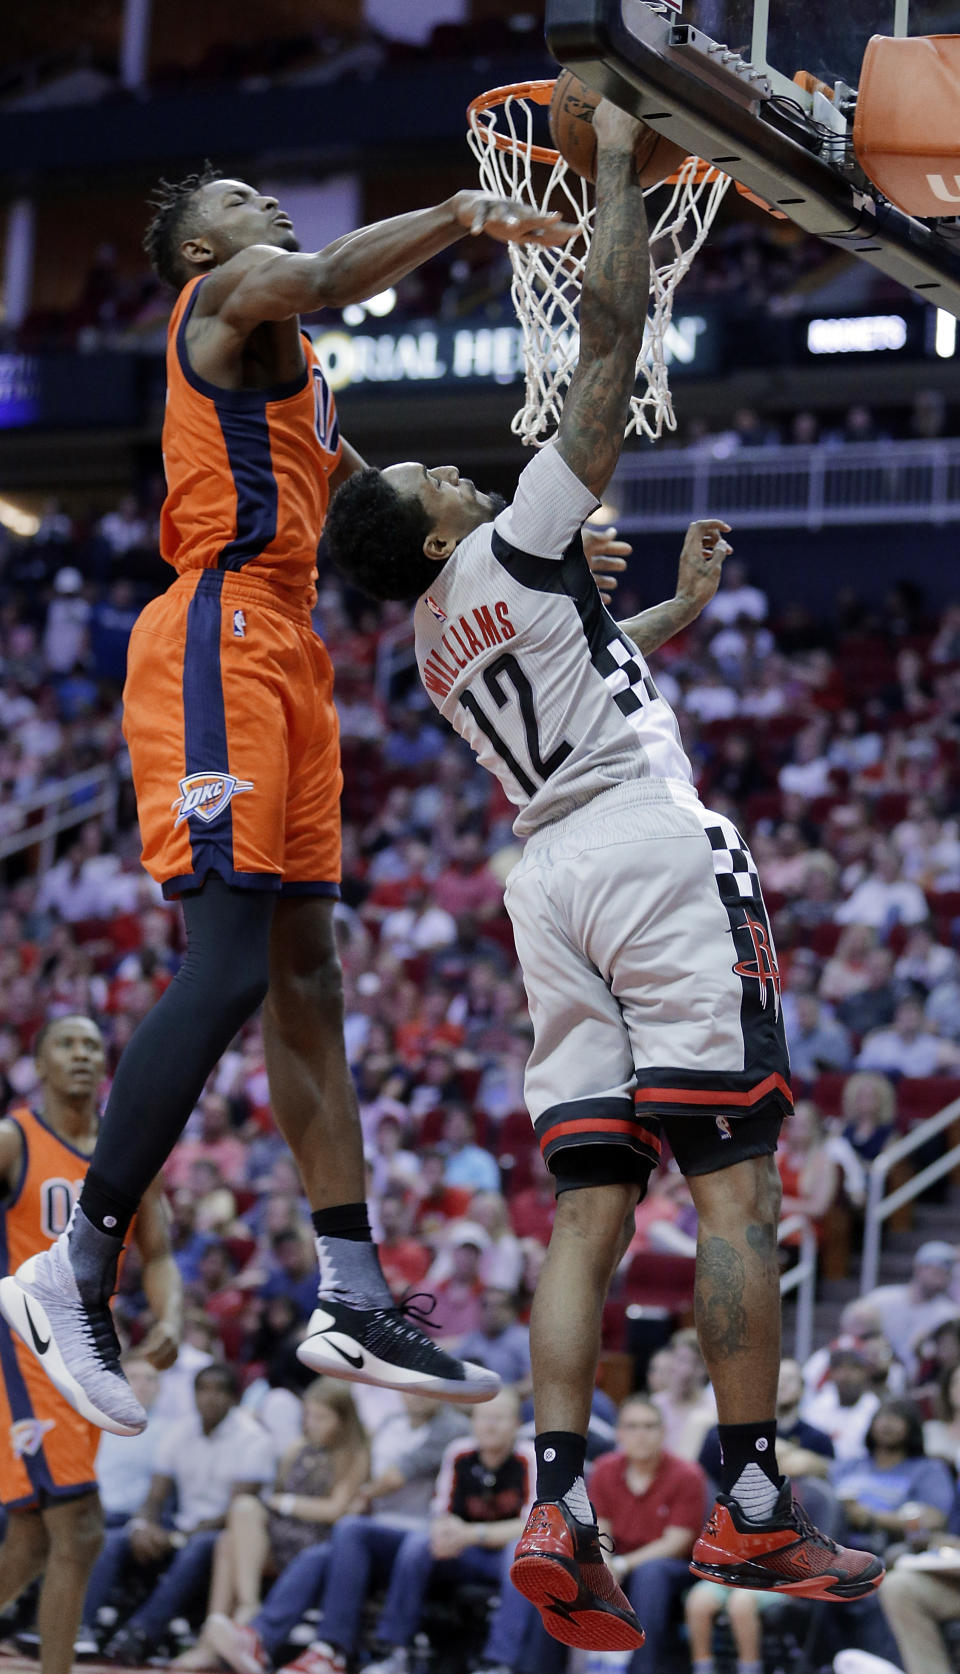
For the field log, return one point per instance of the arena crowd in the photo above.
(836, 747)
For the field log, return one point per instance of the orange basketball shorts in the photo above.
(47, 1451)
(233, 738)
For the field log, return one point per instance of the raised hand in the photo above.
(701, 561)
(606, 556)
(510, 221)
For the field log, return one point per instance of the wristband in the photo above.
(285, 1504)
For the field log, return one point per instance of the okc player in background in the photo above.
(47, 1452)
(649, 968)
(234, 748)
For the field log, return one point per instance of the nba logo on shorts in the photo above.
(207, 795)
(26, 1436)
(239, 625)
(435, 609)
(723, 1127)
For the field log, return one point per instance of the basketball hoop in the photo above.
(547, 281)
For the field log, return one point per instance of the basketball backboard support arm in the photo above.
(729, 112)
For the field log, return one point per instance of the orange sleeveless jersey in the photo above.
(247, 470)
(228, 706)
(47, 1451)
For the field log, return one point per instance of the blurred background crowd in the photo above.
(835, 744)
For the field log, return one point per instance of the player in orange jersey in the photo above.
(48, 1481)
(234, 749)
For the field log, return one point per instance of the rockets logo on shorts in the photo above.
(763, 966)
(207, 795)
(435, 609)
(26, 1436)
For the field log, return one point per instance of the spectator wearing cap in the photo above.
(844, 1407)
(458, 1308)
(910, 1312)
(861, 1321)
(468, 1164)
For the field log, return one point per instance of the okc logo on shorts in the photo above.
(207, 795)
(26, 1436)
(763, 966)
(435, 609)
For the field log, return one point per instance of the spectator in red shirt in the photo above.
(404, 1261)
(438, 1203)
(653, 1505)
(467, 885)
(459, 1307)
(216, 1143)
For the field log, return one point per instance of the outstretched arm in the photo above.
(267, 284)
(613, 309)
(698, 578)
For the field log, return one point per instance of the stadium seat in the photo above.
(921, 1096)
(657, 1280)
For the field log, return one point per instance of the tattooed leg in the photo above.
(737, 1295)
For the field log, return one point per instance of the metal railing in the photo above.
(803, 1279)
(785, 487)
(881, 1205)
(70, 802)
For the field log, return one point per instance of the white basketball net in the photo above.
(547, 281)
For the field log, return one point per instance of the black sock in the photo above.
(345, 1220)
(748, 1470)
(106, 1208)
(350, 1268)
(561, 1459)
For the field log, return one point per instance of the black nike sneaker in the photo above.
(384, 1346)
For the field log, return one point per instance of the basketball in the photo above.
(571, 128)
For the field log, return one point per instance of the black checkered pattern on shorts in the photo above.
(630, 686)
(733, 864)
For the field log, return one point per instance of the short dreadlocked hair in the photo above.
(172, 201)
(375, 537)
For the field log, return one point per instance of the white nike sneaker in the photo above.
(381, 1346)
(73, 1339)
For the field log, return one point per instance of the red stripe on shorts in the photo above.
(674, 1095)
(602, 1125)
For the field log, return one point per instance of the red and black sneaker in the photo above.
(559, 1567)
(783, 1553)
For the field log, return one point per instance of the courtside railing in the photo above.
(881, 1204)
(784, 487)
(36, 821)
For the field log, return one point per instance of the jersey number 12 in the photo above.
(506, 668)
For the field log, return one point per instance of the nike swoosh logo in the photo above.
(354, 1360)
(38, 1342)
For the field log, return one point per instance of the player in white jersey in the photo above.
(650, 970)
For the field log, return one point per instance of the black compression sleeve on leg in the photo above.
(161, 1074)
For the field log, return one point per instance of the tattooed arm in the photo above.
(613, 309)
(698, 578)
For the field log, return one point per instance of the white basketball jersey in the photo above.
(520, 655)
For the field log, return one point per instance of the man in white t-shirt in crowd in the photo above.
(910, 1312)
(650, 970)
(205, 1459)
(845, 1404)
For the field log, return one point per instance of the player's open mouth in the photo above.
(282, 221)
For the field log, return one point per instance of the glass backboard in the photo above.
(826, 38)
